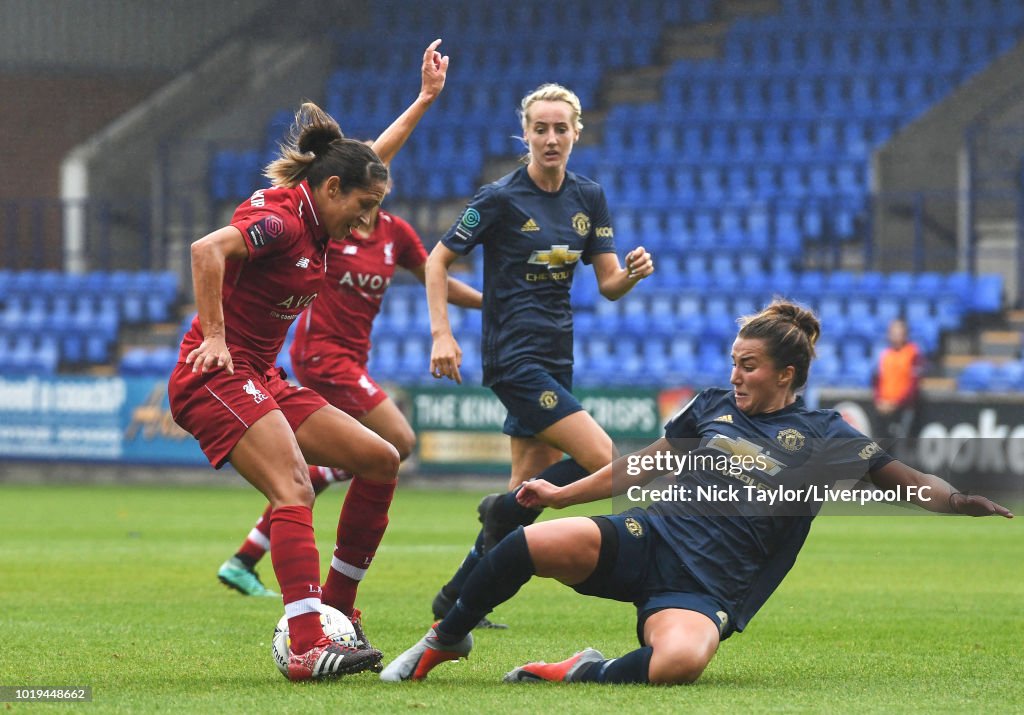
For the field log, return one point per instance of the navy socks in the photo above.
(498, 576)
(453, 588)
(507, 510)
(630, 668)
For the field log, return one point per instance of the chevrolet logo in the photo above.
(556, 257)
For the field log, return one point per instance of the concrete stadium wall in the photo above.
(142, 36)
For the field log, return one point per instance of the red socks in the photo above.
(364, 518)
(297, 567)
(257, 543)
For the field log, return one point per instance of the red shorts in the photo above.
(343, 382)
(217, 408)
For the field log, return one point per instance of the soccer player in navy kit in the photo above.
(252, 278)
(696, 571)
(536, 225)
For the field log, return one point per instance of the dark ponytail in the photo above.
(789, 332)
(316, 149)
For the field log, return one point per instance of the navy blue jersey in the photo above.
(741, 548)
(532, 241)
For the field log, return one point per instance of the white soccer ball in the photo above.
(336, 627)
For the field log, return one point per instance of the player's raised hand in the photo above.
(434, 72)
(446, 358)
(639, 263)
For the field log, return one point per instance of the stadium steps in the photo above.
(992, 338)
(745, 8)
(704, 40)
(156, 335)
(1015, 320)
(634, 86)
(988, 345)
(1000, 343)
(694, 42)
(109, 370)
(933, 385)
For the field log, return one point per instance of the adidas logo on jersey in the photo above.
(530, 225)
(302, 263)
(723, 418)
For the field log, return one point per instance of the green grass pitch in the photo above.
(114, 587)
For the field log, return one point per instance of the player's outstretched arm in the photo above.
(433, 72)
(614, 281)
(934, 493)
(459, 293)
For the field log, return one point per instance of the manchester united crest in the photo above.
(548, 399)
(634, 527)
(790, 439)
(581, 224)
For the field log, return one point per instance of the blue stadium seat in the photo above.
(766, 185)
(829, 307)
(685, 187)
(959, 284)
(988, 293)
(976, 376)
(385, 360)
(811, 284)
(1007, 377)
(788, 236)
(839, 283)
(869, 283)
(857, 373)
(899, 284)
(825, 370)
(928, 284)
(888, 308)
(949, 312)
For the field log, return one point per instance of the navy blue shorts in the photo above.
(636, 565)
(535, 399)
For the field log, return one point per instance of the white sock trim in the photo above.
(305, 605)
(334, 475)
(259, 538)
(346, 569)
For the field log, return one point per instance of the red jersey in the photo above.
(359, 271)
(282, 275)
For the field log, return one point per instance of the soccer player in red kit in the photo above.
(251, 279)
(329, 355)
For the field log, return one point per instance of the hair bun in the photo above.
(317, 140)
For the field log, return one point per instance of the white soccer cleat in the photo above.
(415, 663)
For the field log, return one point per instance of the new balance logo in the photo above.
(723, 418)
(530, 225)
(302, 263)
(251, 389)
(349, 250)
